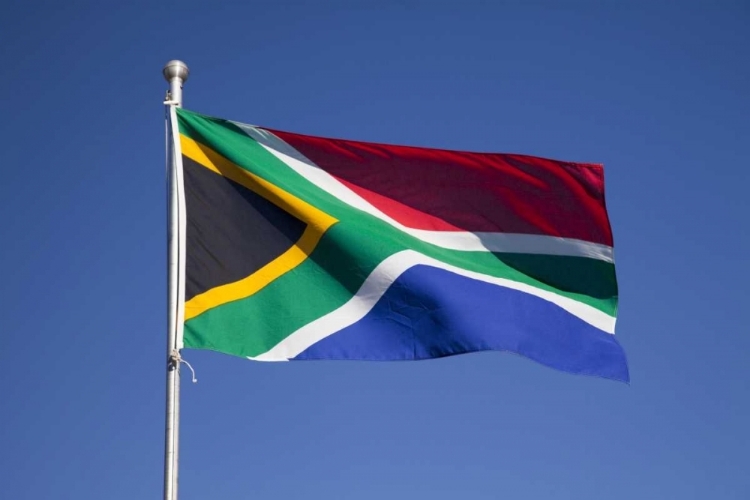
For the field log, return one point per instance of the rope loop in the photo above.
(176, 358)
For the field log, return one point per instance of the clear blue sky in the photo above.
(657, 91)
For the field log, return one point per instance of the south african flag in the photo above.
(298, 247)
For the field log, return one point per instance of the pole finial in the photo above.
(176, 69)
(176, 73)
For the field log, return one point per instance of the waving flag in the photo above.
(300, 247)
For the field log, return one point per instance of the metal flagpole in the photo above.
(176, 73)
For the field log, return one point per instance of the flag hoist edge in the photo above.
(300, 247)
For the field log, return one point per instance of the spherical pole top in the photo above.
(176, 73)
(176, 69)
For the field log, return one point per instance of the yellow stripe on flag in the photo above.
(317, 222)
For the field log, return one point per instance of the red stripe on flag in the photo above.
(443, 190)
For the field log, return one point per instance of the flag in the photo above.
(299, 247)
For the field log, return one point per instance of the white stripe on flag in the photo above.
(381, 278)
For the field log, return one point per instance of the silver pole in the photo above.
(176, 73)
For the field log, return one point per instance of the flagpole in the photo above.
(176, 73)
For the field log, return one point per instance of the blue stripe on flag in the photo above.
(430, 313)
